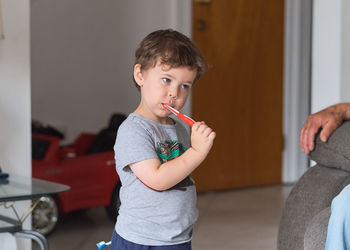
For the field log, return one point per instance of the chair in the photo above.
(306, 213)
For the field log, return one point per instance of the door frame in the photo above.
(296, 79)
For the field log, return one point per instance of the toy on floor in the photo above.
(102, 244)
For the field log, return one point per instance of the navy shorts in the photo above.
(118, 243)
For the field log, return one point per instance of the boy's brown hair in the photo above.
(171, 48)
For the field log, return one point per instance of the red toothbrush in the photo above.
(185, 118)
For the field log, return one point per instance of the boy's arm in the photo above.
(164, 176)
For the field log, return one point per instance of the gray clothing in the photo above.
(146, 216)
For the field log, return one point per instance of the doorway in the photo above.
(240, 96)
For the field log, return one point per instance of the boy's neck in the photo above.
(142, 112)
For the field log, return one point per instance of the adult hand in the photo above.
(328, 119)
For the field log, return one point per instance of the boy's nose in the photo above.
(173, 92)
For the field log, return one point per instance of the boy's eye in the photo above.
(166, 80)
(185, 86)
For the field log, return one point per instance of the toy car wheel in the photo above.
(45, 215)
(113, 208)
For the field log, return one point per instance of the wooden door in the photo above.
(240, 96)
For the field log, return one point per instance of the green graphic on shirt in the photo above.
(170, 150)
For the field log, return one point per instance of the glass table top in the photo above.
(16, 188)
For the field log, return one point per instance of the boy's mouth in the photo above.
(165, 103)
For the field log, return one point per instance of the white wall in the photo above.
(296, 91)
(83, 53)
(345, 52)
(15, 140)
(330, 54)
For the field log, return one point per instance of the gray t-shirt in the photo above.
(147, 216)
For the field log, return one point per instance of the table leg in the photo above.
(39, 238)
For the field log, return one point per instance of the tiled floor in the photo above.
(245, 219)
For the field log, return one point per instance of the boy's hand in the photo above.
(202, 138)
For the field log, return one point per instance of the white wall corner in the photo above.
(296, 85)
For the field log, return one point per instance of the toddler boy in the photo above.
(154, 154)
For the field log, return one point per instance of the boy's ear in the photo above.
(138, 74)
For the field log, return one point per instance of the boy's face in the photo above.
(162, 84)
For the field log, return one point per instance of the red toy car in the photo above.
(87, 166)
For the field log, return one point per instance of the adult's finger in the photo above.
(301, 138)
(310, 137)
(303, 134)
(308, 132)
(328, 130)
